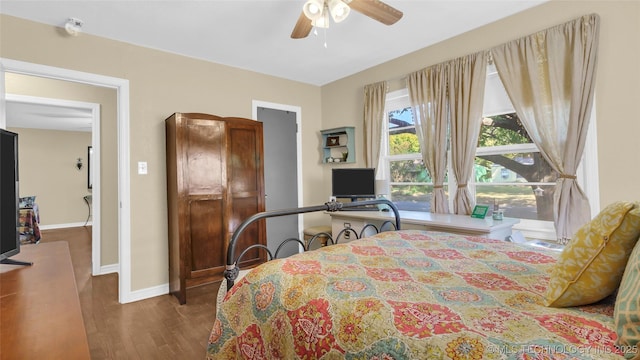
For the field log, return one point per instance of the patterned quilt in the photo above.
(408, 295)
(28, 226)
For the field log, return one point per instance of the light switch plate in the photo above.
(142, 167)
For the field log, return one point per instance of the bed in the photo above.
(406, 294)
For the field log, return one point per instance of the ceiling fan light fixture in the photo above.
(316, 13)
(313, 9)
(321, 22)
(339, 10)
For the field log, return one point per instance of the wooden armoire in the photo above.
(215, 180)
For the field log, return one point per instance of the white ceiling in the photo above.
(255, 35)
(47, 116)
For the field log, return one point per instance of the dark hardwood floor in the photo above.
(156, 328)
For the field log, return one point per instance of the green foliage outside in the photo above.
(499, 130)
(496, 131)
(503, 130)
(403, 143)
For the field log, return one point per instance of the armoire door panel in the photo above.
(204, 150)
(206, 223)
(243, 208)
(244, 159)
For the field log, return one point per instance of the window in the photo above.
(510, 172)
(409, 181)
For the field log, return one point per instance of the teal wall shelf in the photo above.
(337, 142)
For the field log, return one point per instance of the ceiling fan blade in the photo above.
(376, 10)
(302, 28)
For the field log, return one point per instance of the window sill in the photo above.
(534, 231)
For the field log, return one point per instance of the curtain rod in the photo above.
(490, 57)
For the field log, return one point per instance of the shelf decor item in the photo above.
(333, 141)
(480, 211)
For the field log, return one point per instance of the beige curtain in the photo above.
(550, 78)
(374, 101)
(467, 76)
(428, 97)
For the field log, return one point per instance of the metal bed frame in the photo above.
(232, 270)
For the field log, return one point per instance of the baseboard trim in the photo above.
(63, 226)
(109, 269)
(137, 295)
(147, 293)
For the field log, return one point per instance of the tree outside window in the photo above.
(510, 172)
(411, 185)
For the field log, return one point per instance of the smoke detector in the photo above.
(73, 26)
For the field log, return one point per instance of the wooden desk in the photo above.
(457, 224)
(40, 315)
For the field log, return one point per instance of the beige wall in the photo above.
(18, 84)
(52, 175)
(160, 85)
(617, 89)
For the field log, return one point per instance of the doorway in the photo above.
(121, 86)
(66, 115)
(281, 124)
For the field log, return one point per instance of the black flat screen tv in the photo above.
(353, 183)
(9, 236)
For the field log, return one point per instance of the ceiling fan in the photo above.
(317, 13)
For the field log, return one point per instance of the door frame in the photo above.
(96, 268)
(124, 177)
(255, 104)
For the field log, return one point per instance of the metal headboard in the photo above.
(232, 269)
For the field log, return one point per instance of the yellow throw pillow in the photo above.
(591, 266)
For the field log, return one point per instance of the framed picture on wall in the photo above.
(333, 141)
